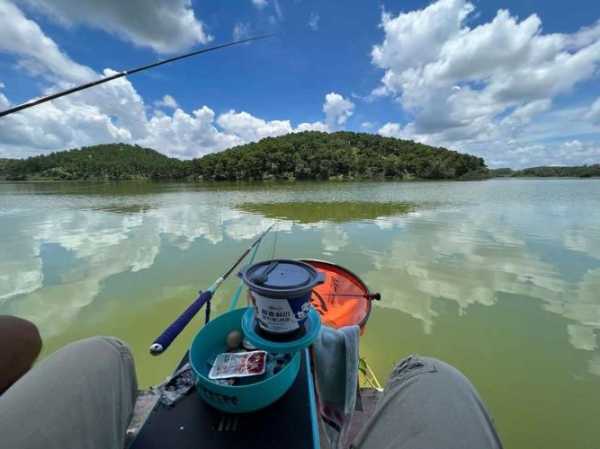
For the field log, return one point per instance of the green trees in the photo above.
(341, 155)
(100, 162)
(582, 171)
(298, 156)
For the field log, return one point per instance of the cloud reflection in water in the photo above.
(467, 255)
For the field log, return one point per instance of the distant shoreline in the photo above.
(297, 157)
(307, 155)
(283, 181)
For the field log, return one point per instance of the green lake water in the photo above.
(500, 278)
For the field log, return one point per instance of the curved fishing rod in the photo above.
(170, 333)
(123, 73)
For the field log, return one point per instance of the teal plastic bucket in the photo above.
(210, 342)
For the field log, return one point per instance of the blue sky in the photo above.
(513, 82)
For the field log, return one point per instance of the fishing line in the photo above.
(275, 234)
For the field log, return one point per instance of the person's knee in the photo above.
(84, 393)
(20, 345)
(419, 408)
(416, 365)
(104, 343)
(99, 361)
(118, 363)
(126, 356)
(413, 365)
(111, 350)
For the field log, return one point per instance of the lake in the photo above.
(500, 278)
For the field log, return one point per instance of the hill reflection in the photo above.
(335, 212)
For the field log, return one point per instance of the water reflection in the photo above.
(440, 255)
(100, 244)
(125, 208)
(56, 261)
(328, 211)
(501, 278)
(447, 255)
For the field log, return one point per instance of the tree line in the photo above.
(98, 162)
(340, 155)
(581, 171)
(299, 156)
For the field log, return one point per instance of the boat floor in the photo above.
(191, 423)
(368, 398)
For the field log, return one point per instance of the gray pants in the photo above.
(428, 404)
(82, 397)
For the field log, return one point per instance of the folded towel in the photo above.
(336, 367)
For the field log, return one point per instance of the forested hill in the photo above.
(111, 162)
(344, 155)
(307, 155)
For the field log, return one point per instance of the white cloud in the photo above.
(576, 152)
(278, 10)
(276, 13)
(260, 4)
(37, 52)
(593, 115)
(21, 272)
(416, 38)
(333, 238)
(187, 135)
(582, 337)
(523, 114)
(4, 103)
(406, 132)
(464, 85)
(241, 31)
(575, 144)
(367, 125)
(313, 21)
(111, 112)
(391, 130)
(337, 109)
(164, 25)
(570, 152)
(167, 102)
(116, 112)
(250, 128)
(313, 126)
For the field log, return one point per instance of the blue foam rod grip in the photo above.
(170, 333)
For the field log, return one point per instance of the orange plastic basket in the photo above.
(343, 299)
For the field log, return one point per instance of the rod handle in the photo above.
(165, 339)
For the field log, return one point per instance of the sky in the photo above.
(515, 82)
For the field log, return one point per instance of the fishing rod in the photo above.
(170, 333)
(123, 73)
